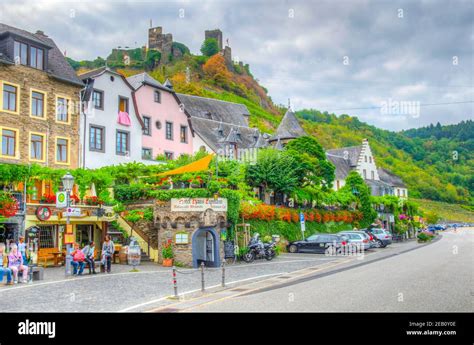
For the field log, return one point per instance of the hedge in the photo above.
(292, 231)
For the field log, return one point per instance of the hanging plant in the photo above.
(8, 205)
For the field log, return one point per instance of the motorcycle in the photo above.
(256, 251)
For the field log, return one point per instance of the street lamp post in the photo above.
(68, 183)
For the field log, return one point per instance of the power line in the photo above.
(421, 105)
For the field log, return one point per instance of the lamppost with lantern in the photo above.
(68, 183)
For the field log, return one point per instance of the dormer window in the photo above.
(29, 55)
(21, 53)
(208, 115)
(239, 136)
(221, 132)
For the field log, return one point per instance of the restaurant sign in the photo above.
(198, 204)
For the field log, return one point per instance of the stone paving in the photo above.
(149, 288)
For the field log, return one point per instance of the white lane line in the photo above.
(193, 291)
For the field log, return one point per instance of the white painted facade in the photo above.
(198, 144)
(113, 86)
(366, 164)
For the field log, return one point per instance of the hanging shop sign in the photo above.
(198, 204)
(43, 213)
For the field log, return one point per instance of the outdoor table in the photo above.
(56, 257)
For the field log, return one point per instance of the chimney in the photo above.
(41, 33)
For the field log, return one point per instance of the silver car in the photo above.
(383, 237)
(358, 237)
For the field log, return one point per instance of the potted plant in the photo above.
(48, 199)
(167, 253)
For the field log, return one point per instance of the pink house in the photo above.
(167, 128)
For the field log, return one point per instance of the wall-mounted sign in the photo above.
(181, 238)
(198, 204)
(61, 199)
(43, 213)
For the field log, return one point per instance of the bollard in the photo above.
(202, 277)
(175, 285)
(223, 275)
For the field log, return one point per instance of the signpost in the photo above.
(73, 212)
(61, 199)
(303, 226)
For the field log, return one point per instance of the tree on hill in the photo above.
(209, 47)
(216, 69)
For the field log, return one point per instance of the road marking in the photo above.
(75, 279)
(257, 288)
(197, 290)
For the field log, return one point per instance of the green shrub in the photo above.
(425, 236)
(127, 193)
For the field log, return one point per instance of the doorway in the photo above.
(205, 247)
(84, 234)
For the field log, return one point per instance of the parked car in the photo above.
(360, 238)
(382, 237)
(319, 243)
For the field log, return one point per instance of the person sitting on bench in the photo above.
(89, 256)
(77, 260)
(15, 263)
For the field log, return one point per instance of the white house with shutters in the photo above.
(111, 128)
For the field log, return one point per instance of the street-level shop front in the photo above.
(87, 224)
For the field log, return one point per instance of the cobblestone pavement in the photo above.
(123, 290)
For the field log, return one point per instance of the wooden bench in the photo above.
(46, 254)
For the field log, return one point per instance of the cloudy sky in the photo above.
(386, 62)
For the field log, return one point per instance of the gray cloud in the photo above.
(300, 57)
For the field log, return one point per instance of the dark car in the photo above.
(319, 243)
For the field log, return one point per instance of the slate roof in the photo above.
(351, 153)
(289, 127)
(390, 178)
(58, 67)
(227, 112)
(208, 130)
(342, 166)
(144, 78)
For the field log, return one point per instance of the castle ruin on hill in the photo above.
(164, 44)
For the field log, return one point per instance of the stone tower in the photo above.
(216, 34)
(161, 42)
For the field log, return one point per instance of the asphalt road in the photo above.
(434, 278)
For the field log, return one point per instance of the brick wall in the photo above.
(27, 78)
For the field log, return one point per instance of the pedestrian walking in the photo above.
(3, 266)
(22, 249)
(89, 256)
(108, 250)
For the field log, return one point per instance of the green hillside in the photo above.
(447, 212)
(436, 162)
